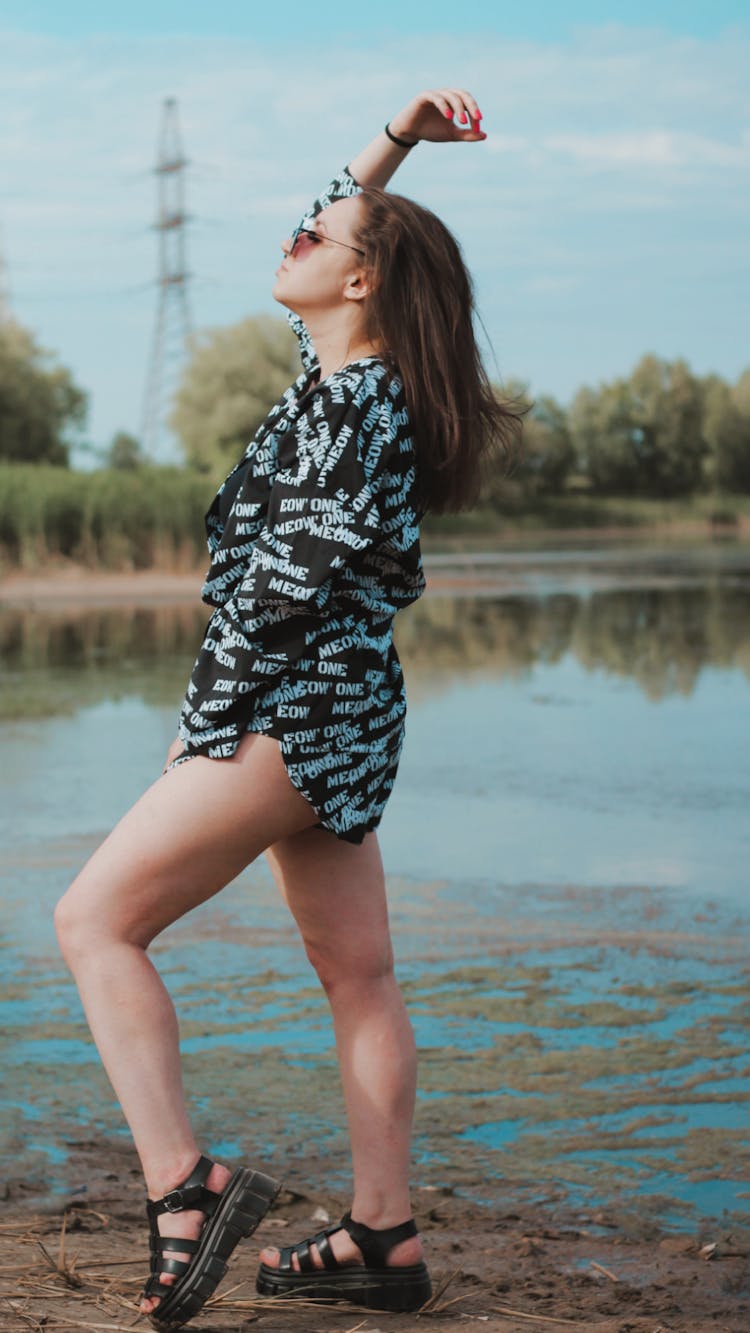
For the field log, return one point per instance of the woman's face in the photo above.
(323, 275)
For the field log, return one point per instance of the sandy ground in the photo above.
(75, 588)
(70, 586)
(73, 1265)
(65, 582)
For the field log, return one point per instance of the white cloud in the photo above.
(652, 148)
(596, 148)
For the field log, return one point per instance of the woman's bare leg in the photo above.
(336, 892)
(189, 835)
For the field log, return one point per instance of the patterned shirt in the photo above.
(314, 545)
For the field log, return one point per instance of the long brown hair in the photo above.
(420, 313)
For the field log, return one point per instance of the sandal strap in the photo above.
(306, 1263)
(192, 1193)
(178, 1267)
(377, 1245)
(175, 1244)
(161, 1264)
(302, 1251)
(324, 1249)
(153, 1287)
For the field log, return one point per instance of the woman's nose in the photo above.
(286, 246)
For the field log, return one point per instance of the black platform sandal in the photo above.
(370, 1284)
(230, 1215)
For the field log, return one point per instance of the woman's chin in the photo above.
(277, 292)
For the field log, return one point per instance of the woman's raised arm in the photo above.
(431, 115)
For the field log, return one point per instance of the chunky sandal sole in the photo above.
(399, 1290)
(244, 1203)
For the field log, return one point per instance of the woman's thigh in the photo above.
(337, 895)
(189, 835)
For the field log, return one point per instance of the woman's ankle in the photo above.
(170, 1171)
(378, 1213)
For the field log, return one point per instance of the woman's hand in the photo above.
(175, 749)
(431, 115)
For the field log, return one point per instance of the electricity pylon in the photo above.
(173, 325)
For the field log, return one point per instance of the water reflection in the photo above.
(53, 662)
(567, 862)
(56, 662)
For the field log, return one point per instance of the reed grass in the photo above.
(152, 516)
(517, 515)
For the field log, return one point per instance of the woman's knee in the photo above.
(348, 967)
(336, 893)
(84, 920)
(73, 923)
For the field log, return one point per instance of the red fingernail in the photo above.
(449, 114)
(479, 115)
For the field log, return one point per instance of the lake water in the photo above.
(567, 853)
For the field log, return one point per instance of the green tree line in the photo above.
(660, 433)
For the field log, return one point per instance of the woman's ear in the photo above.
(358, 286)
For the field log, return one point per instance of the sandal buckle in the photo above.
(173, 1201)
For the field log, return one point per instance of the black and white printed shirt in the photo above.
(314, 545)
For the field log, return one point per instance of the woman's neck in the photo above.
(335, 346)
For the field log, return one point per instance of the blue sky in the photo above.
(539, 20)
(606, 215)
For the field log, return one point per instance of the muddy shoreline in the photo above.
(505, 566)
(77, 1259)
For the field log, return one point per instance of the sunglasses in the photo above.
(307, 236)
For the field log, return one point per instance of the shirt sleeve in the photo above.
(343, 186)
(324, 510)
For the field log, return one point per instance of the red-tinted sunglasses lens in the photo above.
(304, 235)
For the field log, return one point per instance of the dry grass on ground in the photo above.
(83, 1269)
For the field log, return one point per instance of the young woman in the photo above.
(293, 724)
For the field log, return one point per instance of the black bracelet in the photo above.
(401, 142)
